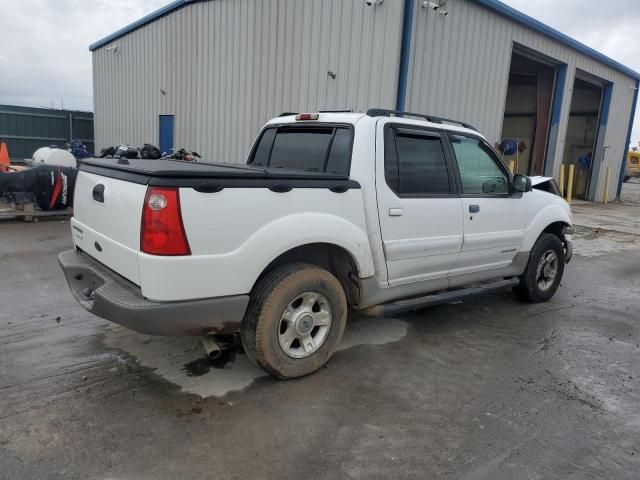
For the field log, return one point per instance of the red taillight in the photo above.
(162, 231)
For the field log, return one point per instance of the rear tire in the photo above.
(295, 320)
(544, 271)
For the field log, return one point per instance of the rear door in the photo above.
(420, 213)
(494, 219)
(165, 134)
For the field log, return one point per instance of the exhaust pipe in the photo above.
(211, 347)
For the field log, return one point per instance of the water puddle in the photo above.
(201, 366)
(181, 360)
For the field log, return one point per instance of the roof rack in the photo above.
(380, 112)
(287, 114)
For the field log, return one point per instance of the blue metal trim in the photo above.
(556, 110)
(597, 156)
(606, 105)
(540, 27)
(405, 55)
(558, 97)
(175, 5)
(626, 145)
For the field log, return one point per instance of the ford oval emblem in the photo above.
(98, 246)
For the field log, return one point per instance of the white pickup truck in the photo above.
(333, 212)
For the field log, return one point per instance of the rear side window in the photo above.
(311, 149)
(415, 163)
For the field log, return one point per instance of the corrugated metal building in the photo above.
(25, 129)
(206, 75)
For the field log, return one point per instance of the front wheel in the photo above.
(295, 320)
(544, 271)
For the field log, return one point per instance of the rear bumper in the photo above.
(110, 296)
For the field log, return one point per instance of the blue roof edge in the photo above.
(494, 5)
(540, 27)
(175, 5)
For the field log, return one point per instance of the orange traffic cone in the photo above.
(4, 158)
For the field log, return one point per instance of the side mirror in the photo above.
(521, 183)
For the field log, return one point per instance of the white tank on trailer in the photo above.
(54, 156)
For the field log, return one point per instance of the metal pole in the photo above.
(606, 184)
(70, 127)
(562, 180)
(570, 184)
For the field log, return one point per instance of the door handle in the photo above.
(395, 212)
(474, 208)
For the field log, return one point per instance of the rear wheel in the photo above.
(295, 320)
(544, 271)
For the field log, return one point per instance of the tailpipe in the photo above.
(211, 347)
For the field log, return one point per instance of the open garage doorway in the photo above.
(585, 133)
(527, 115)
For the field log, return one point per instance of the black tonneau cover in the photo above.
(208, 175)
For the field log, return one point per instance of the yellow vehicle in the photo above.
(633, 166)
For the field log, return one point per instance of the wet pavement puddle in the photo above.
(181, 360)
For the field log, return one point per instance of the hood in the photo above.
(538, 180)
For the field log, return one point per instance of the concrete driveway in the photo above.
(484, 389)
(631, 191)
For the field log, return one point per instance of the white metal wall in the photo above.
(459, 68)
(224, 67)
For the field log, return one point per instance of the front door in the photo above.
(494, 219)
(420, 213)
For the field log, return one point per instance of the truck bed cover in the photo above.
(184, 169)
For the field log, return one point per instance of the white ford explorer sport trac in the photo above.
(380, 212)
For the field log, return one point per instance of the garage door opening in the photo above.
(584, 128)
(527, 114)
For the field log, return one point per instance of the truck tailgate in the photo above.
(106, 222)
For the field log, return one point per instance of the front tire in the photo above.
(544, 271)
(295, 320)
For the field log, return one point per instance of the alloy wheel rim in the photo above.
(547, 270)
(304, 324)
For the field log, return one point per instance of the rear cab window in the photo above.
(309, 148)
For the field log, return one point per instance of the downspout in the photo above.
(626, 145)
(405, 54)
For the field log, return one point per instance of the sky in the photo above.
(46, 62)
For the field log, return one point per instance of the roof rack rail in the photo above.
(287, 114)
(381, 112)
